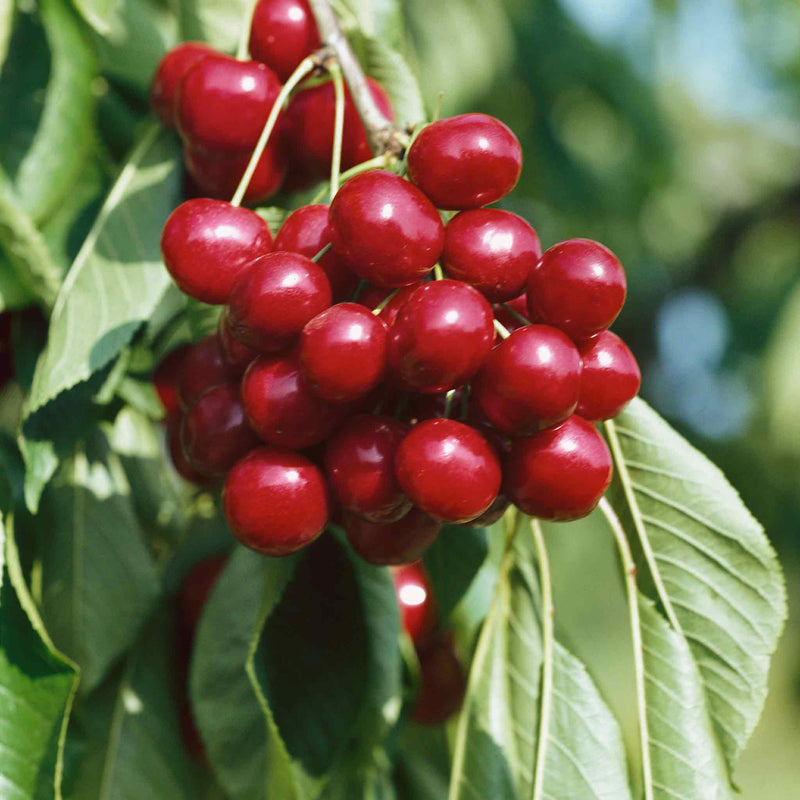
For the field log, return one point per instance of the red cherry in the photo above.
(223, 104)
(343, 352)
(359, 465)
(492, 250)
(466, 161)
(275, 501)
(508, 320)
(529, 381)
(492, 514)
(283, 33)
(443, 683)
(167, 375)
(178, 456)
(204, 367)
(398, 542)
(195, 590)
(281, 406)
(238, 356)
(309, 124)
(415, 600)
(206, 244)
(215, 433)
(448, 469)
(305, 231)
(273, 299)
(610, 377)
(440, 337)
(578, 286)
(385, 229)
(169, 73)
(372, 296)
(560, 473)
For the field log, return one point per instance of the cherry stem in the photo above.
(306, 65)
(448, 402)
(385, 302)
(517, 316)
(501, 329)
(379, 162)
(438, 274)
(321, 253)
(338, 126)
(244, 39)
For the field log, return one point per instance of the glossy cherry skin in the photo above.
(215, 432)
(492, 250)
(578, 286)
(529, 381)
(238, 356)
(385, 229)
(414, 592)
(443, 682)
(359, 466)
(308, 127)
(178, 456)
(305, 231)
(169, 73)
(282, 407)
(343, 352)
(223, 104)
(273, 299)
(373, 296)
(206, 244)
(440, 337)
(399, 542)
(166, 377)
(275, 501)
(204, 367)
(559, 473)
(283, 33)
(466, 161)
(610, 378)
(448, 469)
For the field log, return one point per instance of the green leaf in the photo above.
(496, 746)
(98, 13)
(47, 106)
(715, 573)
(37, 684)
(423, 763)
(273, 216)
(99, 581)
(218, 22)
(380, 19)
(132, 739)
(6, 26)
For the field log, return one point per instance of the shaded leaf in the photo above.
(218, 22)
(6, 26)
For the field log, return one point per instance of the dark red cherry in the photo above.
(578, 286)
(275, 501)
(305, 231)
(274, 298)
(195, 590)
(610, 378)
(373, 296)
(529, 381)
(440, 337)
(282, 407)
(492, 250)
(215, 433)
(512, 321)
(238, 356)
(359, 465)
(169, 73)
(343, 352)
(204, 367)
(418, 614)
(492, 514)
(398, 542)
(466, 161)
(167, 375)
(559, 473)
(283, 33)
(178, 455)
(448, 469)
(223, 104)
(385, 229)
(443, 682)
(206, 244)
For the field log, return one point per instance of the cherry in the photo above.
(443, 683)
(283, 33)
(398, 542)
(508, 320)
(578, 286)
(440, 336)
(178, 456)
(273, 299)
(281, 406)
(448, 469)
(204, 367)
(559, 473)
(275, 501)
(223, 104)
(167, 375)
(195, 590)
(466, 161)
(610, 377)
(169, 73)
(418, 614)
(359, 465)
(305, 231)
(529, 381)
(385, 229)
(373, 296)
(343, 352)
(238, 356)
(206, 244)
(492, 514)
(308, 128)
(215, 432)
(492, 250)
